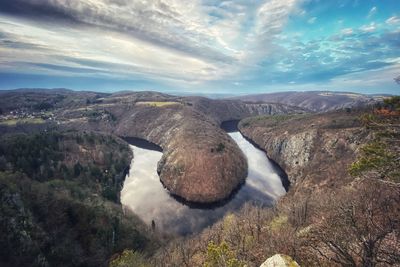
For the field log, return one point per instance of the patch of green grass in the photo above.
(289, 261)
(129, 258)
(380, 157)
(278, 222)
(376, 156)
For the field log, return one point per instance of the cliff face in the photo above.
(313, 149)
(224, 110)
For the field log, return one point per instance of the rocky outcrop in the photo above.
(280, 260)
(312, 149)
(291, 151)
(224, 110)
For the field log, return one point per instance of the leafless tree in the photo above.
(362, 229)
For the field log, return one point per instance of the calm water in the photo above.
(144, 194)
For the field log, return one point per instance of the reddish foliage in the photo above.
(386, 112)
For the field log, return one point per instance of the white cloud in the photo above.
(393, 20)
(368, 28)
(180, 40)
(312, 20)
(372, 12)
(271, 17)
(126, 56)
(180, 25)
(368, 78)
(347, 31)
(212, 32)
(362, 82)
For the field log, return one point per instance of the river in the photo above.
(144, 194)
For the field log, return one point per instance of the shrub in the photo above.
(220, 147)
(221, 255)
(129, 258)
(376, 157)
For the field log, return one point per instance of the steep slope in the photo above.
(312, 149)
(224, 110)
(59, 200)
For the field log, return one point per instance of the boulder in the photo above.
(280, 260)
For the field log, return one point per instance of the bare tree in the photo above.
(362, 229)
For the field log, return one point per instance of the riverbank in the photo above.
(233, 126)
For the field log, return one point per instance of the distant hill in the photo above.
(318, 101)
(36, 99)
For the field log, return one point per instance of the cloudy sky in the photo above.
(201, 46)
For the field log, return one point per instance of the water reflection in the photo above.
(145, 195)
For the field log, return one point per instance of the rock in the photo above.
(311, 157)
(280, 260)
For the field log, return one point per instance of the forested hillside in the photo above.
(60, 200)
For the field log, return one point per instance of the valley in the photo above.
(203, 176)
(199, 133)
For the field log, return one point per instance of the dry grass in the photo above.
(158, 103)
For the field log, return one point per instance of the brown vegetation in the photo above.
(58, 202)
(329, 218)
(357, 226)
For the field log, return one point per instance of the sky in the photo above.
(201, 46)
